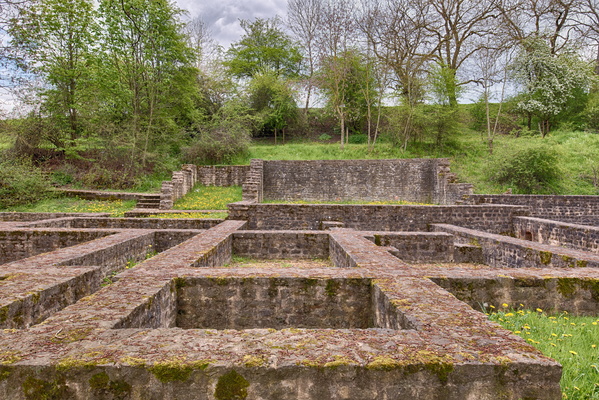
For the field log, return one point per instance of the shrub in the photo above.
(358, 138)
(21, 183)
(218, 143)
(529, 170)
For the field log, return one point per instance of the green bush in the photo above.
(532, 169)
(21, 183)
(358, 138)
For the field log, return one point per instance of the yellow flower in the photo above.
(509, 314)
(505, 305)
(539, 310)
(573, 352)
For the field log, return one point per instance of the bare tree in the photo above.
(554, 20)
(396, 32)
(459, 27)
(304, 19)
(334, 41)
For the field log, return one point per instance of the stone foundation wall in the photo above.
(508, 252)
(274, 303)
(416, 180)
(543, 206)
(128, 223)
(16, 245)
(281, 244)
(27, 217)
(574, 295)
(416, 247)
(182, 182)
(574, 236)
(227, 175)
(491, 218)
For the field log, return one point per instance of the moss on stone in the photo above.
(180, 282)
(545, 257)
(308, 283)
(73, 335)
(253, 361)
(3, 314)
(441, 369)
(5, 373)
(332, 287)
(39, 389)
(231, 386)
(102, 384)
(176, 369)
(9, 357)
(384, 363)
(339, 361)
(581, 263)
(567, 286)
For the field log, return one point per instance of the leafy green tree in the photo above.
(56, 38)
(274, 100)
(148, 78)
(548, 81)
(263, 47)
(347, 82)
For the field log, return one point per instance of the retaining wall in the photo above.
(491, 218)
(544, 206)
(416, 180)
(508, 252)
(555, 233)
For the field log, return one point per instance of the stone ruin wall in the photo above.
(415, 180)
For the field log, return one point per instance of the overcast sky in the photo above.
(222, 16)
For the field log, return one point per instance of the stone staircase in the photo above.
(148, 201)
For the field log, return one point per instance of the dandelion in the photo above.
(509, 314)
(539, 310)
(491, 306)
(504, 305)
(573, 352)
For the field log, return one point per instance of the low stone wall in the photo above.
(543, 206)
(102, 195)
(275, 303)
(16, 245)
(491, 218)
(574, 236)
(226, 175)
(281, 244)
(26, 217)
(417, 180)
(508, 252)
(182, 182)
(577, 296)
(416, 247)
(128, 223)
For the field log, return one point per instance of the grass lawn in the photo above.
(208, 198)
(572, 341)
(116, 208)
(470, 159)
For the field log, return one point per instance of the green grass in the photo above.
(469, 155)
(216, 215)
(116, 208)
(390, 202)
(572, 341)
(208, 198)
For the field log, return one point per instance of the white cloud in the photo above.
(222, 16)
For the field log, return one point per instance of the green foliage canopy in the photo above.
(263, 47)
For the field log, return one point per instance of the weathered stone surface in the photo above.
(391, 314)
